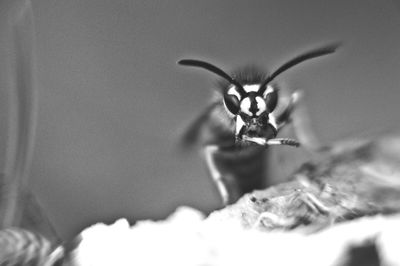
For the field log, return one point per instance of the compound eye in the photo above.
(232, 103)
(271, 99)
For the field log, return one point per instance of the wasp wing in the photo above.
(214, 126)
(192, 132)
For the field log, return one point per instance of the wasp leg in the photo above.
(301, 124)
(283, 141)
(285, 117)
(275, 141)
(209, 155)
(303, 129)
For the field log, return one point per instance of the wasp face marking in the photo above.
(234, 91)
(251, 102)
(240, 126)
(251, 88)
(269, 90)
(253, 105)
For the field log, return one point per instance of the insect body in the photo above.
(241, 122)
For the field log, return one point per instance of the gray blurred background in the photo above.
(111, 98)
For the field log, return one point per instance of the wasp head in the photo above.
(252, 100)
(251, 106)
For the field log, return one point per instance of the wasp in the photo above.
(241, 122)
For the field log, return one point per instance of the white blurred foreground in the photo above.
(186, 238)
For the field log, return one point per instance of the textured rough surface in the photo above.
(352, 180)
